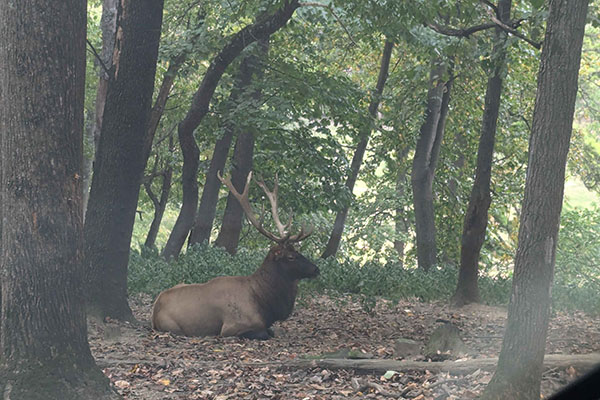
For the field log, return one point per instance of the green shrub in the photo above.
(149, 273)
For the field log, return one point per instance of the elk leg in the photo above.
(258, 335)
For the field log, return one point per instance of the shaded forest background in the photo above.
(305, 99)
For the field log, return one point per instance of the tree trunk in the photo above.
(44, 353)
(250, 69)
(231, 227)
(161, 101)
(400, 221)
(476, 217)
(108, 25)
(424, 163)
(262, 29)
(120, 159)
(160, 204)
(340, 219)
(519, 369)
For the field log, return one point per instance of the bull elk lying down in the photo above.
(243, 306)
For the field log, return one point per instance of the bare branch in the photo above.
(98, 58)
(465, 32)
(509, 29)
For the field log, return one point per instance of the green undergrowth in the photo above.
(149, 273)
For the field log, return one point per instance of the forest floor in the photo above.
(148, 365)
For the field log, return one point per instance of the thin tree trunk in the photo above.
(263, 28)
(400, 220)
(519, 371)
(44, 353)
(120, 159)
(476, 217)
(424, 163)
(231, 226)
(250, 69)
(340, 219)
(108, 25)
(161, 101)
(160, 204)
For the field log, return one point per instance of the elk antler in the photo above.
(284, 237)
(245, 203)
(272, 196)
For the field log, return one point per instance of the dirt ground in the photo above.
(148, 365)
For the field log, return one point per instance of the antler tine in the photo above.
(245, 203)
(301, 235)
(272, 196)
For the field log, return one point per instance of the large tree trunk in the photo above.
(519, 369)
(44, 353)
(340, 219)
(262, 29)
(108, 25)
(250, 69)
(476, 217)
(231, 226)
(424, 163)
(120, 159)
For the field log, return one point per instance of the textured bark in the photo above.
(120, 158)
(44, 352)
(519, 369)
(424, 163)
(250, 69)
(108, 25)
(340, 219)
(262, 29)
(231, 226)
(160, 204)
(476, 217)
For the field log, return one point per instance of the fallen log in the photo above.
(581, 362)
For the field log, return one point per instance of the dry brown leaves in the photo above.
(148, 365)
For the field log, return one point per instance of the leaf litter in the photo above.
(149, 365)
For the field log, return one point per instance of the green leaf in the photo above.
(537, 4)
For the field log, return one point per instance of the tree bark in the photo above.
(519, 369)
(249, 69)
(340, 219)
(160, 204)
(44, 353)
(476, 217)
(120, 159)
(263, 28)
(108, 25)
(231, 226)
(424, 163)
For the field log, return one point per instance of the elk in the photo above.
(244, 306)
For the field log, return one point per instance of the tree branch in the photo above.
(509, 29)
(330, 9)
(466, 32)
(98, 58)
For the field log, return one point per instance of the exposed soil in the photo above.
(149, 365)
